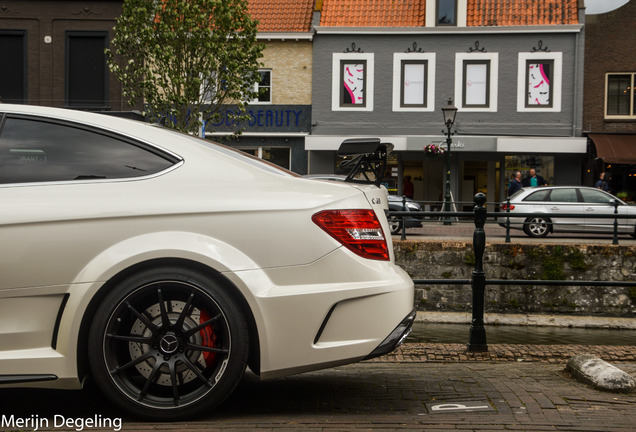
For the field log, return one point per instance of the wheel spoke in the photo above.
(187, 309)
(201, 326)
(195, 347)
(133, 338)
(173, 380)
(151, 379)
(142, 317)
(196, 371)
(131, 363)
(165, 320)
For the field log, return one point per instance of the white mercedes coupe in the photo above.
(163, 265)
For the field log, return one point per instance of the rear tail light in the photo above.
(504, 207)
(358, 230)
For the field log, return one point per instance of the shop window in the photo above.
(13, 72)
(352, 85)
(539, 82)
(476, 77)
(446, 12)
(86, 70)
(413, 82)
(543, 165)
(620, 101)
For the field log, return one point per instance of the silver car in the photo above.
(550, 206)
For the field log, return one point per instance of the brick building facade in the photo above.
(609, 114)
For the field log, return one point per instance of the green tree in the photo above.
(185, 59)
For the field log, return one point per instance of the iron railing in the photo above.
(477, 341)
(425, 216)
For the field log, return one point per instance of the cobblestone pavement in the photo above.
(431, 387)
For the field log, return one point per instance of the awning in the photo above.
(615, 148)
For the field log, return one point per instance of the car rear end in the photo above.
(348, 302)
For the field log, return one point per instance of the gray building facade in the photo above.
(408, 74)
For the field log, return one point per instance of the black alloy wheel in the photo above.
(168, 344)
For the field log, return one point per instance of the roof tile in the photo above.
(412, 13)
(373, 13)
(521, 12)
(282, 15)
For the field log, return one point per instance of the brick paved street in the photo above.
(419, 387)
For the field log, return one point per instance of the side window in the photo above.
(541, 195)
(539, 79)
(594, 196)
(563, 195)
(40, 151)
(352, 82)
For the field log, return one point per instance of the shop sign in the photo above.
(269, 118)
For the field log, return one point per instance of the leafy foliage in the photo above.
(185, 59)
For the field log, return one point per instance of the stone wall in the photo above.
(455, 260)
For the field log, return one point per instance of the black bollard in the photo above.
(477, 339)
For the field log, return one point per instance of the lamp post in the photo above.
(449, 112)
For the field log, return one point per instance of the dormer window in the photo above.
(446, 13)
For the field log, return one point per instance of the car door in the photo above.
(597, 202)
(562, 202)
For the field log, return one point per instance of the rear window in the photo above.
(33, 150)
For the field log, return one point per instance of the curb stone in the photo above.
(600, 374)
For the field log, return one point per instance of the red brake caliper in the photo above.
(208, 337)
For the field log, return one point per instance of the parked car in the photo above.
(396, 203)
(163, 265)
(548, 204)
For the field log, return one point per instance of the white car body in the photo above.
(309, 301)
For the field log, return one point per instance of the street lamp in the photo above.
(449, 111)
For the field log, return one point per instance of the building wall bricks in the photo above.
(291, 64)
(609, 43)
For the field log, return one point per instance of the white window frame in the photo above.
(336, 80)
(493, 82)
(557, 81)
(631, 99)
(430, 81)
(257, 87)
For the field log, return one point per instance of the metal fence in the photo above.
(467, 216)
(477, 341)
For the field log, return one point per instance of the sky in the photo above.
(593, 7)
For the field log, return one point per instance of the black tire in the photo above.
(168, 344)
(395, 224)
(537, 226)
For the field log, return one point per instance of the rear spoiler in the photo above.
(364, 159)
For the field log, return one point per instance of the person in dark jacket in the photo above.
(515, 184)
(534, 180)
(602, 182)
